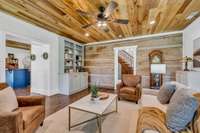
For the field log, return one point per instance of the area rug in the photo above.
(122, 122)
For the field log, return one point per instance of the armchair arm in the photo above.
(151, 118)
(11, 122)
(30, 100)
(119, 86)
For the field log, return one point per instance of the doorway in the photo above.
(18, 63)
(30, 57)
(124, 62)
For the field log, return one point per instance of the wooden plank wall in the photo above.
(99, 59)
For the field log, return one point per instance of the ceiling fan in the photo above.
(103, 17)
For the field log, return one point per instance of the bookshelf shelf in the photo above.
(71, 56)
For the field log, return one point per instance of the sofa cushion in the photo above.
(166, 92)
(181, 110)
(128, 90)
(30, 113)
(8, 100)
(152, 101)
(130, 80)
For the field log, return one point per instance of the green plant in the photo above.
(94, 90)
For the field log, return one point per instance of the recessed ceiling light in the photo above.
(192, 15)
(87, 34)
(152, 22)
(120, 36)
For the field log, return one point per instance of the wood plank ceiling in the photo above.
(60, 16)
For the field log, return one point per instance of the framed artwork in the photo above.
(196, 53)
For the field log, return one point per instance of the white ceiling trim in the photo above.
(135, 38)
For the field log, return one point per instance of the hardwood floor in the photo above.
(56, 102)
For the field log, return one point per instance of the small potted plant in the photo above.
(187, 59)
(94, 92)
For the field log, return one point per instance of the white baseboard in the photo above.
(45, 92)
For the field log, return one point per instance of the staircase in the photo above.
(127, 62)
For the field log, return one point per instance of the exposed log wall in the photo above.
(99, 59)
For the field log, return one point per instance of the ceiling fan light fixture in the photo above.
(103, 18)
(87, 34)
(152, 22)
(99, 23)
(104, 24)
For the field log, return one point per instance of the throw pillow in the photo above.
(180, 111)
(166, 92)
(8, 100)
(181, 92)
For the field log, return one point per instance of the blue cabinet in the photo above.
(18, 78)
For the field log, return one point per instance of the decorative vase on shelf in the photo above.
(26, 61)
(186, 60)
(94, 92)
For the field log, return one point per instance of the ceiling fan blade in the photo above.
(121, 21)
(87, 26)
(83, 13)
(110, 9)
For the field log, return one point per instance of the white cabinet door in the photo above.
(74, 82)
(181, 77)
(71, 85)
(84, 80)
(64, 84)
(77, 84)
(194, 80)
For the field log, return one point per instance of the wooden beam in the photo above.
(19, 45)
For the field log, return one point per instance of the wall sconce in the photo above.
(33, 57)
(45, 55)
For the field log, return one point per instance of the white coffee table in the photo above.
(98, 108)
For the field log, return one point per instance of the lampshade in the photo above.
(158, 68)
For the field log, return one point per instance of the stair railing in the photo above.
(127, 57)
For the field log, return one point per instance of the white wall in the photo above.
(41, 69)
(20, 54)
(190, 33)
(2, 57)
(12, 25)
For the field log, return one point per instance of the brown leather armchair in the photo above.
(27, 118)
(130, 87)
